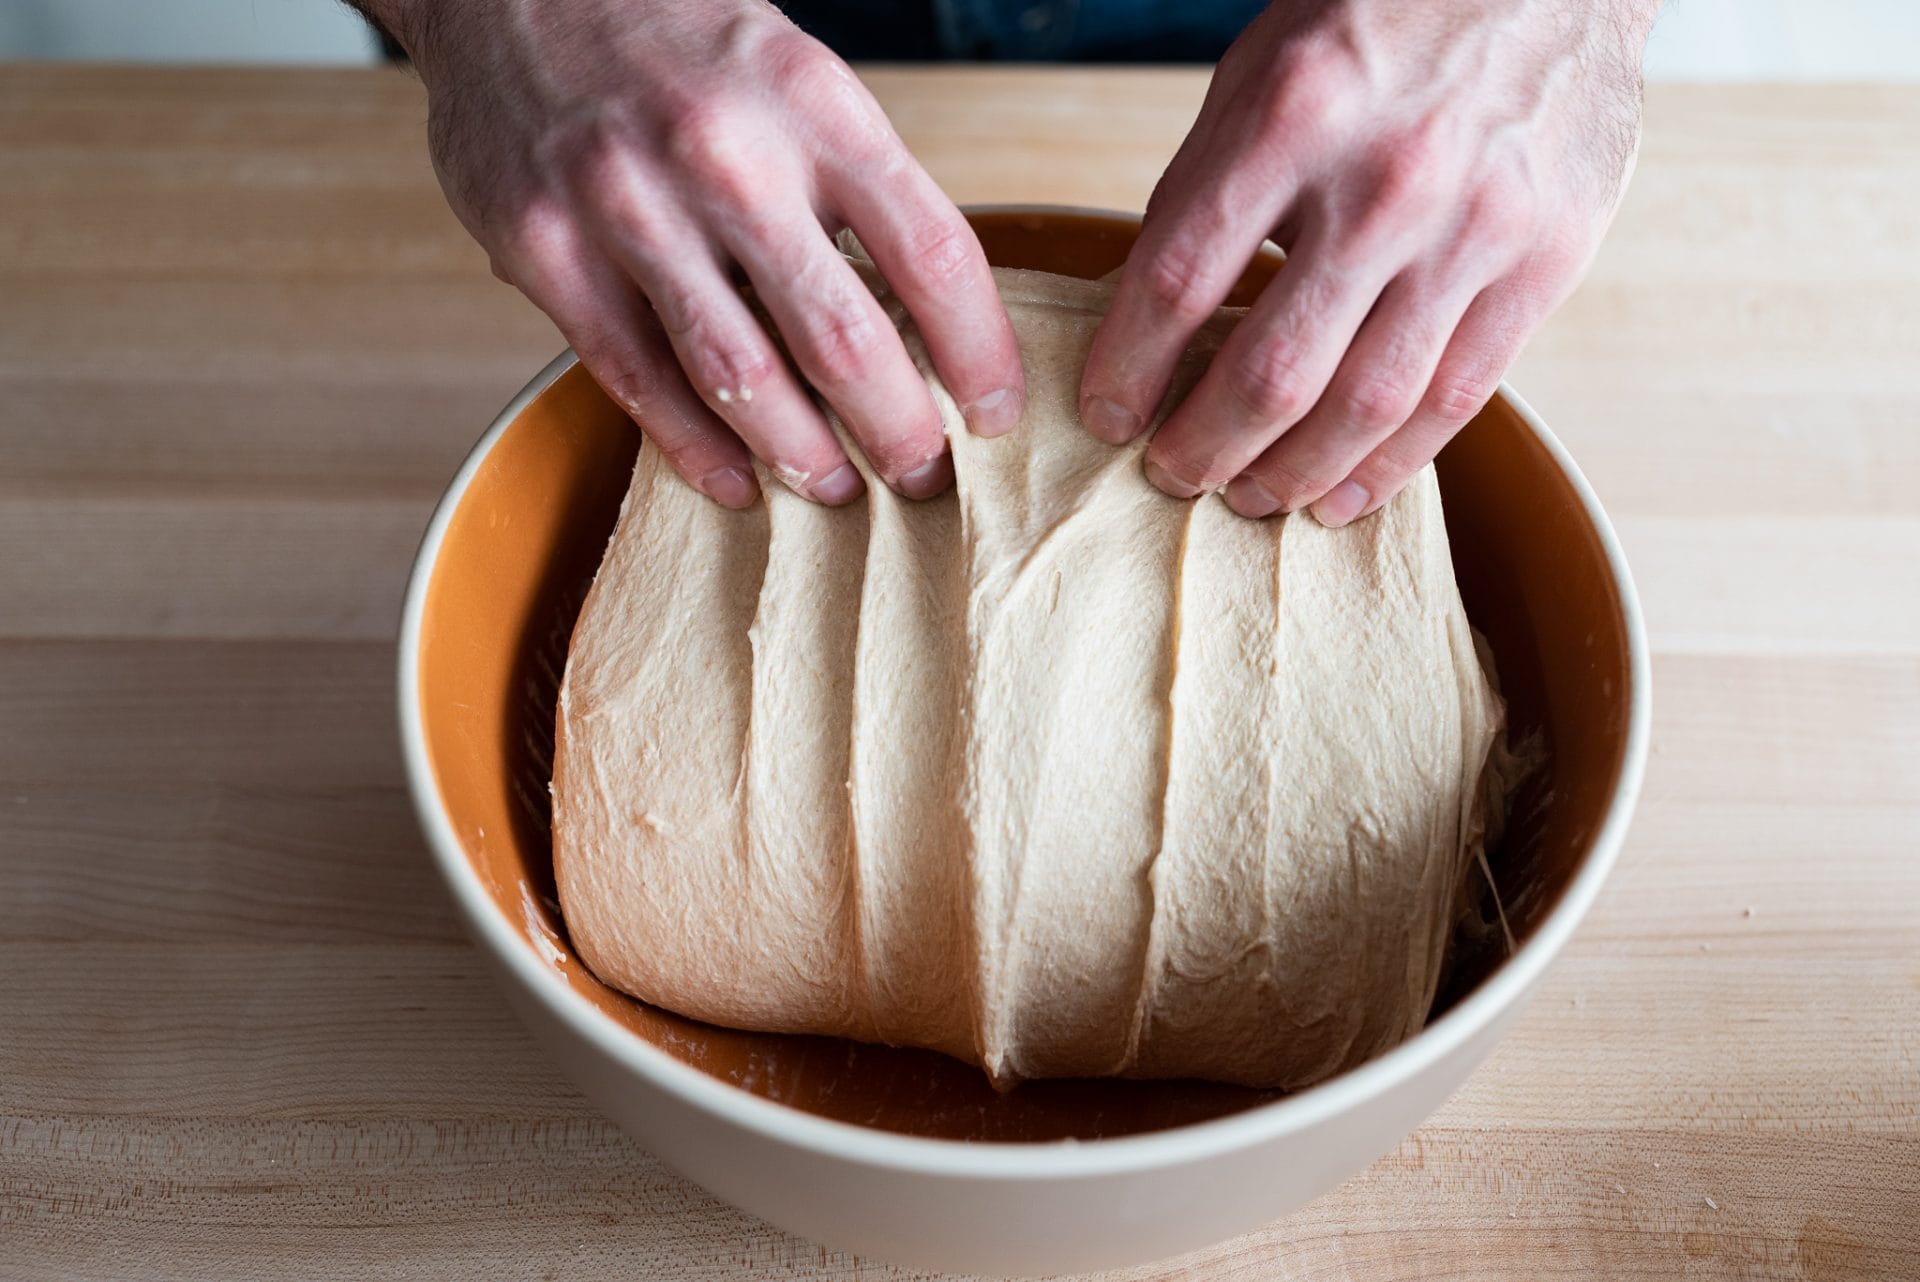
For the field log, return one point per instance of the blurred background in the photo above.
(1695, 40)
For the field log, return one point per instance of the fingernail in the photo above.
(842, 485)
(994, 414)
(1170, 483)
(1113, 423)
(928, 479)
(729, 487)
(1249, 498)
(1341, 504)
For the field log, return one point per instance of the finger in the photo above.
(1273, 367)
(933, 261)
(1204, 224)
(845, 345)
(1377, 387)
(613, 330)
(1489, 339)
(727, 355)
(1490, 243)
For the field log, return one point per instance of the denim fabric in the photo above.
(1026, 30)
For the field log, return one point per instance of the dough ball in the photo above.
(1053, 773)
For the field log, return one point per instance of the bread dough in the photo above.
(1053, 773)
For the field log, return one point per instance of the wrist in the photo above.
(1639, 16)
(405, 22)
(1650, 9)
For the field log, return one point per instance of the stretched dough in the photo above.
(1052, 773)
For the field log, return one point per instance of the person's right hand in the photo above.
(620, 158)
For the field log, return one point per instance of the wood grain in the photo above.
(242, 345)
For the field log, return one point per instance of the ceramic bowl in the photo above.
(908, 1155)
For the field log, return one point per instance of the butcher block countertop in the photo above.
(243, 346)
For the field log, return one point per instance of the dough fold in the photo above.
(1052, 773)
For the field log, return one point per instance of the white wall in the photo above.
(1786, 40)
(310, 31)
(1695, 39)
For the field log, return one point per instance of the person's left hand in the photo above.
(1440, 176)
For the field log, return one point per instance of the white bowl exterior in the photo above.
(1003, 1225)
(993, 1207)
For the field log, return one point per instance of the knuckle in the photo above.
(1406, 184)
(839, 345)
(536, 248)
(539, 234)
(1179, 282)
(1505, 211)
(591, 156)
(678, 307)
(630, 222)
(1313, 81)
(1457, 395)
(773, 234)
(718, 362)
(1377, 403)
(800, 68)
(712, 144)
(848, 123)
(591, 147)
(1271, 386)
(1411, 171)
(942, 250)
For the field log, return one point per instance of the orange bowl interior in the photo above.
(526, 539)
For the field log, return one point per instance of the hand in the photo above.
(1440, 175)
(620, 158)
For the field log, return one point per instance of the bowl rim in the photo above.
(1012, 1160)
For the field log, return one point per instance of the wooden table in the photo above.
(242, 347)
